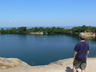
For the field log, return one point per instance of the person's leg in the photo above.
(76, 65)
(74, 69)
(82, 70)
(83, 66)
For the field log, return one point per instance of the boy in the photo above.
(81, 53)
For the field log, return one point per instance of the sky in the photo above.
(16, 13)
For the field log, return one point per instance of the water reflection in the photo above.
(76, 36)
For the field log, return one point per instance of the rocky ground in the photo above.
(16, 65)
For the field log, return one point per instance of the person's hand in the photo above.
(74, 58)
(86, 58)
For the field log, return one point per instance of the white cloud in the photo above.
(13, 21)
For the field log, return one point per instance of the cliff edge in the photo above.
(65, 65)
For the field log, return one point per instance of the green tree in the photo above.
(83, 28)
(21, 30)
(2, 31)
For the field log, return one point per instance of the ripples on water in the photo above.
(40, 49)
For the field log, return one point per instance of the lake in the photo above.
(40, 49)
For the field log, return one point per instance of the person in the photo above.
(81, 52)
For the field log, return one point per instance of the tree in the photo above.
(84, 28)
(2, 31)
(21, 30)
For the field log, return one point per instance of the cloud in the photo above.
(13, 21)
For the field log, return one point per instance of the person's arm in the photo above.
(75, 53)
(87, 54)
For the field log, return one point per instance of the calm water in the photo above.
(40, 49)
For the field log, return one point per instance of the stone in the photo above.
(65, 65)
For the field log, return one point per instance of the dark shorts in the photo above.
(79, 64)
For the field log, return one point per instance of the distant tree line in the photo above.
(83, 29)
(49, 30)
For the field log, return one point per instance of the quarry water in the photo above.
(40, 49)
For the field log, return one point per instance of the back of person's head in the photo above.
(82, 36)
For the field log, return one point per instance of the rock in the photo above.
(37, 33)
(65, 65)
(11, 62)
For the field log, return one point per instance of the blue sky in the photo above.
(14, 13)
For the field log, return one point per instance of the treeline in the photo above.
(20, 30)
(83, 29)
(49, 30)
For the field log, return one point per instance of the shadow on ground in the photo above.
(68, 69)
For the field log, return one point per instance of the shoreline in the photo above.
(64, 65)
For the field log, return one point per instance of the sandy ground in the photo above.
(58, 66)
